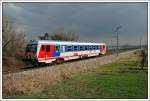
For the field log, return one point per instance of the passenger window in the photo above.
(57, 48)
(90, 47)
(97, 47)
(48, 48)
(75, 48)
(86, 47)
(42, 47)
(69, 48)
(81, 48)
(94, 47)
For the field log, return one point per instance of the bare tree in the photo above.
(13, 46)
(46, 36)
(12, 40)
(60, 35)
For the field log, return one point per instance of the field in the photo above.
(119, 79)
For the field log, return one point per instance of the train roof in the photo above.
(63, 42)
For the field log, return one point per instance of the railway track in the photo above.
(31, 67)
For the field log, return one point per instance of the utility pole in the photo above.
(140, 43)
(117, 38)
(117, 43)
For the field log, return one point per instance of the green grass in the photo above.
(119, 79)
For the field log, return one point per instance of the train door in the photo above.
(42, 54)
(56, 51)
(49, 51)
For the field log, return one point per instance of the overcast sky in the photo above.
(93, 22)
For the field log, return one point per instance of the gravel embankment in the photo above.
(36, 79)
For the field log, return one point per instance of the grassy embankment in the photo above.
(120, 79)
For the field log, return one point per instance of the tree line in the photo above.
(14, 42)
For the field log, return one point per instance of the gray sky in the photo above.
(93, 22)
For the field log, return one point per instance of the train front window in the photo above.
(43, 48)
(31, 48)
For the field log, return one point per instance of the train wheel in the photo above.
(59, 61)
(100, 54)
(35, 64)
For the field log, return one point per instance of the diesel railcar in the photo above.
(48, 51)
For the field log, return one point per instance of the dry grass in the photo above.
(34, 81)
(11, 64)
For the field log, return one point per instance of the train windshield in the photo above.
(31, 48)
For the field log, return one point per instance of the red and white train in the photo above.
(48, 51)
